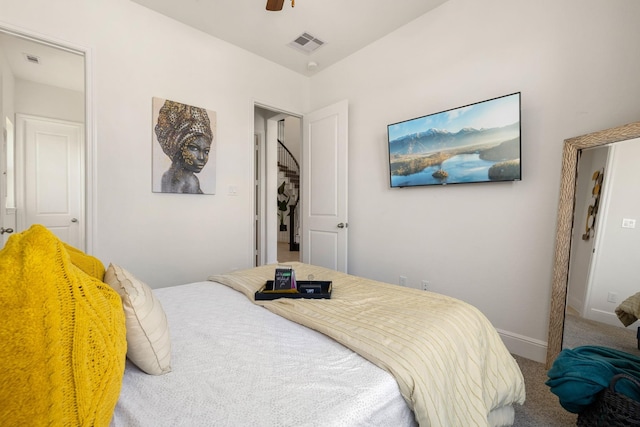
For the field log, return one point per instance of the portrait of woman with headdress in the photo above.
(183, 146)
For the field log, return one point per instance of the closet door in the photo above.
(53, 177)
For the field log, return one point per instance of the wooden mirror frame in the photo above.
(565, 225)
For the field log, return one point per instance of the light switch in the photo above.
(628, 223)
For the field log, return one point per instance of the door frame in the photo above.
(7, 213)
(265, 236)
(90, 137)
(265, 203)
(588, 311)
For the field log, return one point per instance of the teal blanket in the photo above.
(578, 374)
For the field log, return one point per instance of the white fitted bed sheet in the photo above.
(237, 364)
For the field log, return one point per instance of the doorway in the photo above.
(276, 194)
(48, 79)
(323, 136)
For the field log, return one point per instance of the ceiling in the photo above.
(55, 66)
(345, 26)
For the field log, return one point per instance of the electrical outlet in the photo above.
(612, 297)
(425, 285)
(403, 281)
(628, 223)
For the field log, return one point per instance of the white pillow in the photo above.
(148, 342)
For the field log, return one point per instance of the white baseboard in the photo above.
(605, 317)
(576, 304)
(527, 347)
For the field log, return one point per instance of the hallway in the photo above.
(284, 255)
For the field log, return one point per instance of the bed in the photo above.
(236, 364)
(629, 311)
(322, 362)
(85, 345)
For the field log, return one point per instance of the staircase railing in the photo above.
(290, 169)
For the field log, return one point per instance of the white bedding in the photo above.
(449, 361)
(236, 364)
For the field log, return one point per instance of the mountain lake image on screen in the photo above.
(476, 143)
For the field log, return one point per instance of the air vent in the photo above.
(306, 43)
(32, 58)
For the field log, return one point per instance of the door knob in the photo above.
(74, 219)
(343, 225)
(6, 230)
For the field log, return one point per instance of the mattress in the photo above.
(236, 364)
(451, 365)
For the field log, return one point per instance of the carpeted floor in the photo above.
(579, 331)
(542, 408)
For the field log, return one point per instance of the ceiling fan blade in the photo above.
(275, 5)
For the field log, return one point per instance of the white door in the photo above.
(324, 181)
(51, 152)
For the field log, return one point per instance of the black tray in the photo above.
(307, 289)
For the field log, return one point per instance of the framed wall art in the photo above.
(183, 148)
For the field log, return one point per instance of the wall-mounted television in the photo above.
(478, 142)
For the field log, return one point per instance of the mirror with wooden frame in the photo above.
(571, 151)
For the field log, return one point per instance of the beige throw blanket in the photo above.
(450, 363)
(629, 310)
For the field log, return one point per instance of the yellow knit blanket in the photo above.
(63, 339)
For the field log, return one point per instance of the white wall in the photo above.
(7, 88)
(618, 249)
(48, 101)
(136, 54)
(489, 244)
(293, 136)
